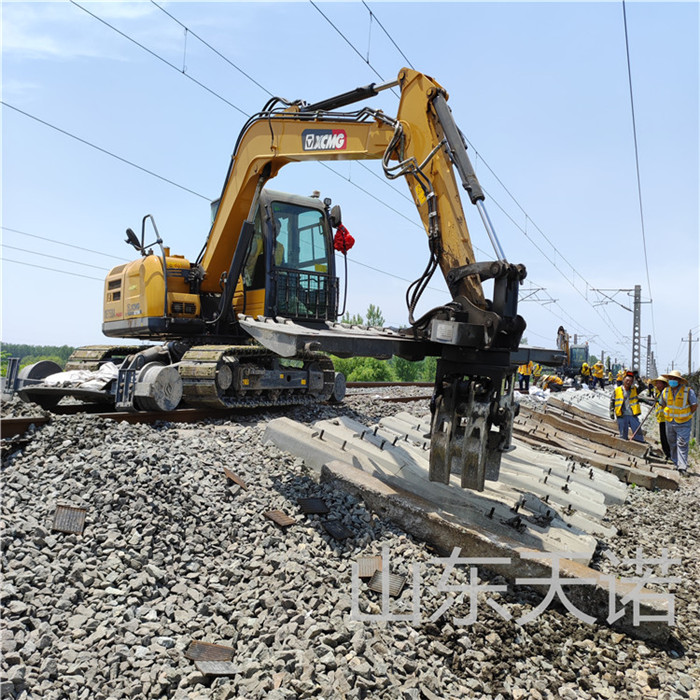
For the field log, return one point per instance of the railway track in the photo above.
(13, 426)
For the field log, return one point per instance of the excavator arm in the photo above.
(412, 145)
(473, 407)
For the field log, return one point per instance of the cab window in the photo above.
(300, 240)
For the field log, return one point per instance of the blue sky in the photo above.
(540, 90)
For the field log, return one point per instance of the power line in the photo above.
(636, 160)
(160, 58)
(388, 274)
(68, 245)
(371, 14)
(678, 352)
(54, 257)
(53, 269)
(209, 46)
(517, 204)
(346, 40)
(126, 36)
(103, 150)
(524, 232)
(369, 194)
(383, 180)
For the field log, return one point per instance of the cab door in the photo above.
(302, 280)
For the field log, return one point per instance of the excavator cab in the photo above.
(289, 270)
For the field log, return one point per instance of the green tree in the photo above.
(33, 353)
(429, 369)
(4, 357)
(346, 365)
(371, 370)
(31, 359)
(355, 319)
(405, 370)
(374, 316)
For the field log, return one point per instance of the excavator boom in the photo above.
(415, 145)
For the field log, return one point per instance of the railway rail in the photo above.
(13, 426)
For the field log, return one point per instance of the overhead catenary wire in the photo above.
(388, 274)
(259, 85)
(636, 160)
(352, 46)
(265, 89)
(126, 36)
(552, 262)
(396, 46)
(52, 269)
(678, 352)
(209, 46)
(54, 257)
(160, 58)
(102, 150)
(347, 41)
(68, 245)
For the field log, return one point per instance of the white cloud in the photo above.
(22, 89)
(59, 30)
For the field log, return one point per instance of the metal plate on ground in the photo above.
(337, 530)
(396, 583)
(69, 519)
(313, 506)
(205, 651)
(235, 478)
(217, 668)
(280, 518)
(366, 566)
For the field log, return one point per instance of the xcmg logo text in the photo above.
(324, 139)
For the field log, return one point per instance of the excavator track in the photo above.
(91, 357)
(207, 373)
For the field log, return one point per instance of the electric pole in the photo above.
(636, 310)
(637, 329)
(690, 340)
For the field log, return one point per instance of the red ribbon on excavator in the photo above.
(343, 241)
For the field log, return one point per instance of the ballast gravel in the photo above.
(173, 552)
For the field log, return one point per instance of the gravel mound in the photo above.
(14, 407)
(172, 552)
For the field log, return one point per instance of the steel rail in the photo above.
(12, 426)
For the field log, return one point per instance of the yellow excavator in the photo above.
(253, 319)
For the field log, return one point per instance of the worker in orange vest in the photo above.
(585, 374)
(599, 374)
(679, 402)
(525, 371)
(552, 382)
(624, 405)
